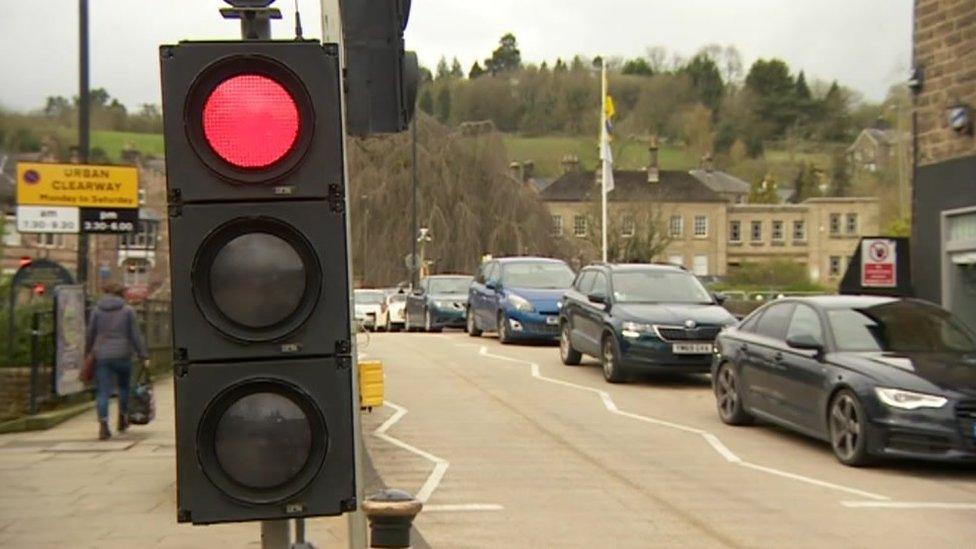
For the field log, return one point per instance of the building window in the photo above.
(676, 227)
(676, 260)
(834, 224)
(735, 231)
(700, 265)
(579, 226)
(135, 272)
(756, 232)
(50, 240)
(628, 227)
(799, 230)
(142, 197)
(11, 237)
(143, 239)
(777, 230)
(851, 223)
(701, 225)
(834, 269)
(557, 225)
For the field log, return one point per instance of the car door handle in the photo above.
(778, 357)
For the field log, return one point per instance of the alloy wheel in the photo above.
(727, 392)
(845, 427)
(427, 322)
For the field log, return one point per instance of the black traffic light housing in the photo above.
(381, 77)
(259, 276)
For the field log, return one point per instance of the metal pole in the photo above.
(83, 125)
(415, 229)
(356, 520)
(35, 359)
(275, 535)
(603, 171)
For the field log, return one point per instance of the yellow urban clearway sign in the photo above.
(80, 185)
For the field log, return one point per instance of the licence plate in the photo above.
(552, 320)
(692, 348)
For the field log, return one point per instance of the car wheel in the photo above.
(610, 357)
(472, 328)
(848, 429)
(569, 355)
(728, 398)
(429, 323)
(407, 325)
(503, 336)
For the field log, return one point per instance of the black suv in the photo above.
(640, 317)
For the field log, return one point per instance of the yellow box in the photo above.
(370, 384)
(79, 185)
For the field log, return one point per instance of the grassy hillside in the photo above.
(113, 142)
(547, 152)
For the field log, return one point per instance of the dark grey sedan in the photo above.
(873, 376)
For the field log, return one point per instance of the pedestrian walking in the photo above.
(113, 335)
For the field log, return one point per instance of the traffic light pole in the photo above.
(356, 520)
(83, 127)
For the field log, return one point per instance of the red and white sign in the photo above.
(878, 263)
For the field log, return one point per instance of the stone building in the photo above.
(709, 231)
(944, 191)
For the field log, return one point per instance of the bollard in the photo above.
(391, 513)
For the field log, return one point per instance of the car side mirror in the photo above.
(719, 298)
(597, 297)
(805, 342)
(493, 285)
(418, 291)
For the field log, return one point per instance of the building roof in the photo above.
(631, 186)
(721, 182)
(539, 184)
(881, 137)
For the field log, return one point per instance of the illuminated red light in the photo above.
(250, 121)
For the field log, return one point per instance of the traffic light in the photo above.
(382, 77)
(260, 289)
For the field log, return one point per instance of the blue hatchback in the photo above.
(518, 298)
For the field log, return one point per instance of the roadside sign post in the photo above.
(879, 258)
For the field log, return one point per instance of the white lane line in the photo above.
(909, 505)
(711, 438)
(462, 507)
(440, 464)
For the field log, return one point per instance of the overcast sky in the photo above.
(864, 44)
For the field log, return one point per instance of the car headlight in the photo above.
(634, 330)
(519, 303)
(908, 400)
(443, 304)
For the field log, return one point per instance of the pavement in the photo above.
(62, 488)
(510, 448)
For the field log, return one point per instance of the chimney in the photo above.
(570, 163)
(707, 163)
(653, 172)
(528, 169)
(515, 168)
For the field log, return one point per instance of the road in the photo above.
(510, 448)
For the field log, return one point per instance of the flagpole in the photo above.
(603, 167)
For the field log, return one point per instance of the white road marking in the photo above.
(440, 467)
(909, 505)
(462, 507)
(440, 464)
(711, 438)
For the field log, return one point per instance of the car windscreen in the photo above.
(364, 298)
(655, 286)
(539, 275)
(900, 326)
(456, 285)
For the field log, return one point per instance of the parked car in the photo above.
(640, 317)
(873, 376)
(438, 302)
(518, 297)
(393, 314)
(367, 305)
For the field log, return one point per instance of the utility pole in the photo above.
(84, 146)
(356, 520)
(414, 230)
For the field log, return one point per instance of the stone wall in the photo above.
(945, 50)
(15, 390)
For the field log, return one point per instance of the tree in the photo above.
(426, 101)
(560, 65)
(696, 128)
(442, 70)
(706, 80)
(637, 66)
(456, 70)
(764, 191)
(506, 57)
(802, 90)
(444, 105)
(807, 183)
(649, 238)
(774, 88)
(475, 71)
(840, 178)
